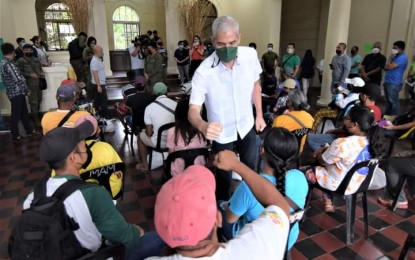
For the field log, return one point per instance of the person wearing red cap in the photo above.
(187, 218)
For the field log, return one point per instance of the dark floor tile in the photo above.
(30, 183)
(310, 228)
(338, 215)
(137, 176)
(10, 194)
(341, 233)
(405, 213)
(145, 192)
(6, 213)
(305, 246)
(17, 178)
(346, 253)
(406, 226)
(377, 223)
(130, 206)
(383, 243)
(38, 169)
(313, 211)
(149, 212)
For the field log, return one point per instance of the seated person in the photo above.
(184, 136)
(365, 141)
(66, 97)
(343, 100)
(287, 73)
(297, 117)
(394, 168)
(187, 218)
(158, 113)
(278, 150)
(102, 157)
(269, 90)
(281, 104)
(64, 149)
(400, 126)
(137, 100)
(367, 96)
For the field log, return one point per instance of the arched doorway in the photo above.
(125, 25)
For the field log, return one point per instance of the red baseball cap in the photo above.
(185, 210)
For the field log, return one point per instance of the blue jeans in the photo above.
(392, 98)
(150, 244)
(247, 154)
(316, 141)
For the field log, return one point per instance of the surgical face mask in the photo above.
(92, 45)
(227, 54)
(375, 50)
(21, 44)
(290, 50)
(181, 46)
(269, 49)
(394, 51)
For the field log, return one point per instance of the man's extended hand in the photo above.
(212, 130)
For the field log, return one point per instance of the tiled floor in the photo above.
(322, 235)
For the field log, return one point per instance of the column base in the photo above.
(323, 102)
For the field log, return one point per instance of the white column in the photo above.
(54, 76)
(337, 31)
(174, 32)
(274, 19)
(98, 29)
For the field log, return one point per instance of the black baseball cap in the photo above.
(371, 90)
(58, 143)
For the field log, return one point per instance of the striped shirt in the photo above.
(14, 81)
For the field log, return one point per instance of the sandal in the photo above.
(328, 206)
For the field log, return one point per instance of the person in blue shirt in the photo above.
(278, 150)
(395, 68)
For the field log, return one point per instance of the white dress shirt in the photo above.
(227, 93)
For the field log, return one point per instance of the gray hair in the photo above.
(225, 24)
(298, 100)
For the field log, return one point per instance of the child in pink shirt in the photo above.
(183, 136)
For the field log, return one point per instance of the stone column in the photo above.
(274, 18)
(174, 32)
(97, 27)
(337, 31)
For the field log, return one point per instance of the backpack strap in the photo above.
(164, 106)
(296, 120)
(67, 116)
(39, 190)
(70, 187)
(283, 64)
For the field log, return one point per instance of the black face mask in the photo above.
(338, 52)
(28, 54)
(88, 159)
(353, 52)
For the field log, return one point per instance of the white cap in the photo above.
(357, 82)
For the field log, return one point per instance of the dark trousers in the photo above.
(19, 112)
(247, 154)
(394, 168)
(78, 66)
(194, 64)
(101, 100)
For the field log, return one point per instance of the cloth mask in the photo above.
(226, 54)
(338, 52)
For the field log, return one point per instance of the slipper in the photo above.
(140, 167)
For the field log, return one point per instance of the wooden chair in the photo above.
(351, 198)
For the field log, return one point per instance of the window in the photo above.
(59, 29)
(125, 26)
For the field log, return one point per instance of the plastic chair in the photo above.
(128, 131)
(115, 251)
(189, 156)
(409, 243)
(158, 147)
(351, 198)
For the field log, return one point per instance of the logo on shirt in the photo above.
(275, 217)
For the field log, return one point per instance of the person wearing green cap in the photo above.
(158, 113)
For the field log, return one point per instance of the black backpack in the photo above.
(45, 231)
